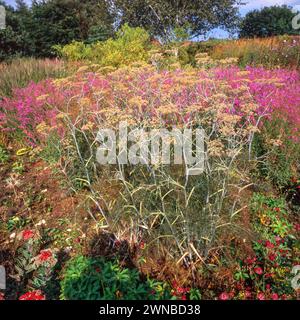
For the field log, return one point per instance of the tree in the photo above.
(270, 21)
(162, 17)
(13, 37)
(62, 21)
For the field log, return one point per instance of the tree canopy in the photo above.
(34, 30)
(270, 21)
(163, 17)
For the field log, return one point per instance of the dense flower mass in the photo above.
(144, 94)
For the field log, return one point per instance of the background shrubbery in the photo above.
(130, 45)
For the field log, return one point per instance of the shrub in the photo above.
(277, 147)
(87, 278)
(172, 208)
(130, 45)
(75, 51)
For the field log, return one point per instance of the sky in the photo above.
(250, 5)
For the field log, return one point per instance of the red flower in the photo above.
(27, 234)
(183, 297)
(33, 295)
(2, 296)
(269, 244)
(45, 255)
(258, 270)
(224, 296)
(250, 260)
(297, 227)
(247, 294)
(272, 256)
(277, 209)
(180, 290)
(142, 245)
(261, 296)
(275, 296)
(268, 286)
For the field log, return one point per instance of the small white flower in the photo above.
(12, 236)
(41, 223)
(69, 230)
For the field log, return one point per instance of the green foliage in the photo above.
(98, 33)
(14, 39)
(268, 271)
(16, 223)
(74, 51)
(98, 279)
(168, 19)
(35, 267)
(270, 21)
(187, 53)
(35, 30)
(51, 153)
(272, 217)
(279, 154)
(18, 167)
(23, 261)
(130, 45)
(4, 156)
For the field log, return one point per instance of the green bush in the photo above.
(129, 46)
(87, 278)
(278, 154)
(187, 54)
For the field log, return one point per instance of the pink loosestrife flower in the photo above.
(273, 91)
